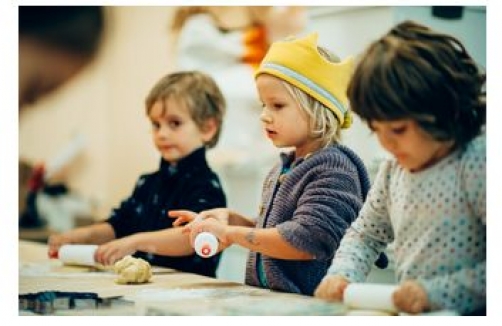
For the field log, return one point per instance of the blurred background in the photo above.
(96, 124)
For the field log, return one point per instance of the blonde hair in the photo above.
(324, 125)
(200, 94)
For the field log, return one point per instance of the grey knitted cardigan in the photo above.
(311, 208)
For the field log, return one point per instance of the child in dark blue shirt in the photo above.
(186, 111)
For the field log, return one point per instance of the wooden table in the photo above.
(170, 292)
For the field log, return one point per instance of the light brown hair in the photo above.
(198, 92)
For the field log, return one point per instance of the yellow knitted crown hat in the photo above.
(299, 62)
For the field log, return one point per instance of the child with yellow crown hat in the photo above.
(316, 190)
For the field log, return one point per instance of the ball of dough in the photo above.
(132, 270)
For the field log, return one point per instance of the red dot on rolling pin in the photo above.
(206, 250)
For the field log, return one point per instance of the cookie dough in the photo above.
(132, 270)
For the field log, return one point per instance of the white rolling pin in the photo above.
(77, 254)
(370, 296)
(206, 244)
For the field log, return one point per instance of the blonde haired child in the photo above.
(316, 190)
(423, 95)
(229, 43)
(186, 111)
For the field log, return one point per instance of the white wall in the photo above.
(470, 29)
(347, 31)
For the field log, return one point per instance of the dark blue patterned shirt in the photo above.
(190, 185)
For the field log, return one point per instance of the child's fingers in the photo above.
(180, 213)
(54, 243)
(180, 221)
(181, 216)
(331, 288)
(105, 256)
(410, 297)
(53, 254)
(401, 300)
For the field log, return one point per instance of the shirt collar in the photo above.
(288, 159)
(193, 161)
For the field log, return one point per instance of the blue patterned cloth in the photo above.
(190, 185)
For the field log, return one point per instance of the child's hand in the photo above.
(55, 242)
(331, 288)
(220, 214)
(186, 219)
(113, 251)
(192, 218)
(211, 225)
(411, 297)
(182, 217)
